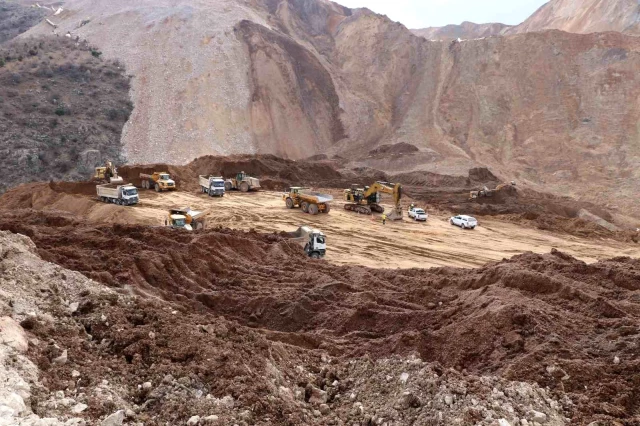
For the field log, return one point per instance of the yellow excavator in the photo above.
(367, 200)
(107, 173)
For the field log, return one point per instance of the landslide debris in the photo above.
(545, 319)
(62, 110)
(74, 352)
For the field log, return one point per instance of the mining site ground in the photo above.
(357, 239)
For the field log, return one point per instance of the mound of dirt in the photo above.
(548, 319)
(77, 352)
(275, 173)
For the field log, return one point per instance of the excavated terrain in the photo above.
(570, 327)
(297, 78)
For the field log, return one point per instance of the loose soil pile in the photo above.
(75, 352)
(548, 319)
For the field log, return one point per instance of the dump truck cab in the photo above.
(316, 247)
(160, 181)
(179, 221)
(313, 241)
(164, 180)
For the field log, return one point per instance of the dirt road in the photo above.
(363, 240)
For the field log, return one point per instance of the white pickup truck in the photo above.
(124, 195)
(212, 185)
(418, 214)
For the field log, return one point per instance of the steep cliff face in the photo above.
(466, 30)
(584, 16)
(302, 77)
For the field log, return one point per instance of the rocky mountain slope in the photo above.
(584, 16)
(62, 109)
(301, 77)
(16, 18)
(466, 30)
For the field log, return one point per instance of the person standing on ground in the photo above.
(384, 219)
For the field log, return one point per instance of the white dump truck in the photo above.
(313, 241)
(124, 195)
(212, 185)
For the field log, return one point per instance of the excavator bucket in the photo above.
(395, 214)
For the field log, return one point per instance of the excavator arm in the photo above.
(394, 189)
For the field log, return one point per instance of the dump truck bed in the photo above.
(300, 235)
(315, 197)
(108, 190)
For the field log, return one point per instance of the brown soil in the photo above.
(548, 319)
(438, 192)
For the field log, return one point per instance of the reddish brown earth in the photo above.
(537, 318)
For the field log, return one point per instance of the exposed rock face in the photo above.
(466, 30)
(584, 16)
(303, 77)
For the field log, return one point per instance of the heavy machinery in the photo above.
(487, 193)
(186, 218)
(107, 174)
(367, 200)
(124, 195)
(313, 241)
(242, 182)
(212, 185)
(309, 201)
(160, 181)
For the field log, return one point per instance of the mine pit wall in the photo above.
(517, 104)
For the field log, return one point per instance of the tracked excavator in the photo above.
(107, 174)
(367, 200)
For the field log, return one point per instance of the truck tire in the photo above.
(304, 206)
(156, 187)
(244, 187)
(228, 186)
(313, 209)
(289, 203)
(315, 255)
(327, 208)
(145, 184)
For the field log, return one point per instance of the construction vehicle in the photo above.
(309, 201)
(123, 195)
(367, 200)
(160, 181)
(107, 174)
(487, 193)
(186, 218)
(242, 182)
(212, 185)
(313, 241)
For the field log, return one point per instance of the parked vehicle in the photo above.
(418, 214)
(464, 221)
(212, 185)
(124, 195)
